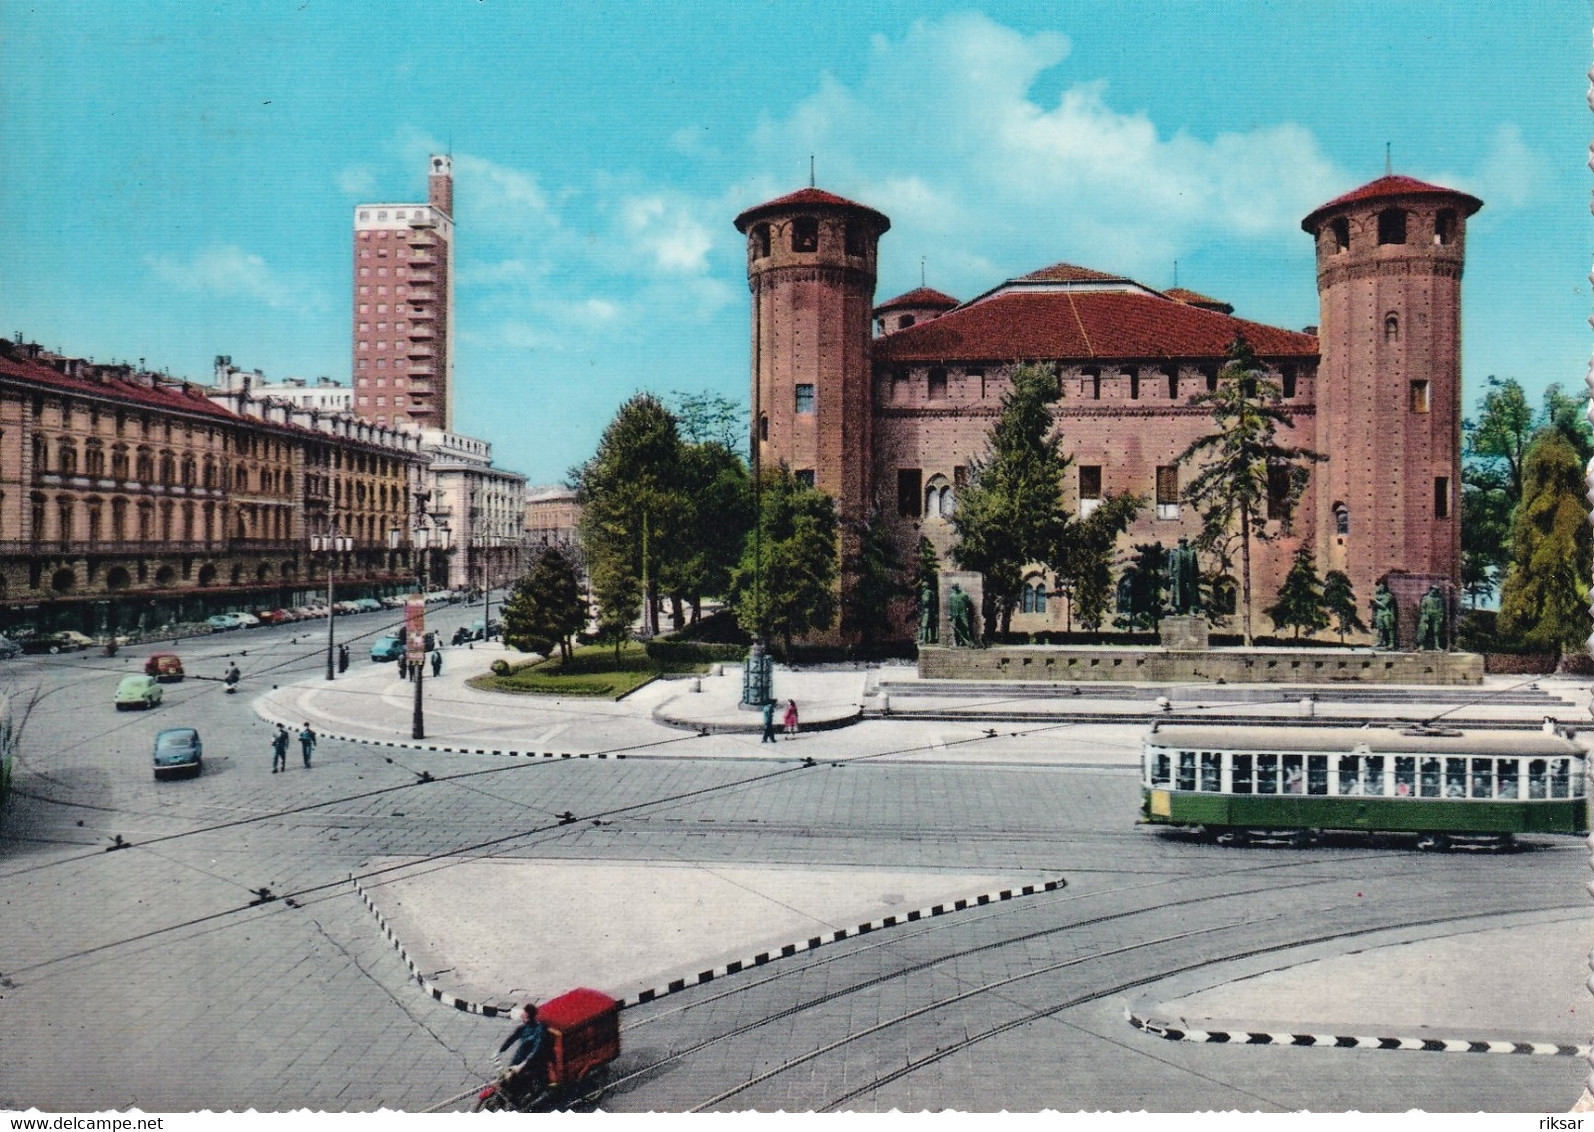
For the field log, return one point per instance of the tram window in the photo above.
(1292, 773)
(1506, 778)
(1211, 771)
(1186, 770)
(1405, 776)
(1538, 781)
(1161, 768)
(1558, 778)
(1349, 780)
(1240, 774)
(1482, 778)
(1373, 775)
(1267, 774)
(1455, 778)
(1430, 778)
(1317, 774)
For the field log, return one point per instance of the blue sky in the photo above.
(179, 178)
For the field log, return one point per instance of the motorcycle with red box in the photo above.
(584, 1037)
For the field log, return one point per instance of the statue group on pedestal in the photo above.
(1184, 580)
(1433, 628)
(959, 613)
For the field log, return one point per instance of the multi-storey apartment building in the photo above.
(323, 394)
(483, 506)
(403, 307)
(132, 501)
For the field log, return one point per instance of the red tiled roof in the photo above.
(1069, 273)
(811, 198)
(1197, 299)
(1393, 185)
(919, 297)
(1084, 325)
(171, 398)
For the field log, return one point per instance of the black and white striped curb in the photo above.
(1339, 1041)
(495, 1010)
(417, 745)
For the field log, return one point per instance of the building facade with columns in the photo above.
(886, 407)
(483, 506)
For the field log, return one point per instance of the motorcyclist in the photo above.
(528, 1064)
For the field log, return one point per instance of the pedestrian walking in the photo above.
(791, 717)
(404, 666)
(307, 743)
(279, 749)
(437, 664)
(343, 658)
(769, 722)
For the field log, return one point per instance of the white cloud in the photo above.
(944, 134)
(356, 180)
(667, 232)
(227, 271)
(1508, 174)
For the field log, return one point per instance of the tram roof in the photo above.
(1346, 740)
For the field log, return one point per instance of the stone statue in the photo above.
(1184, 579)
(960, 611)
(1431, 620)
(1384, 618)
(929, 631)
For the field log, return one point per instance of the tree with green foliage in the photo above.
(1544, 598)
(1084, 557)
(1300, 598)
(1010, 513)
(785, 583)
(618, 592)
(1142, 588)
(632, 503)
(872, 582)
(709, 418)
(1243, 467)
(1568, 415)
(546, 608)
(716, 512)
(1339, 602)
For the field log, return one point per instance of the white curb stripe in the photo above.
(1172, 1033)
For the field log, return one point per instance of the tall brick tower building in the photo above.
(811, 270)
(1389, 261)
(404, 307)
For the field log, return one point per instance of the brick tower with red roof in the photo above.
(1389, 262)
(811, 270)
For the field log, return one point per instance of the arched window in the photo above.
(1391, 327)
(938, 500)
(1392, 226)
(1340, 231)
(905, 321)
(41, 454)
(1341, 519)
(805, 234)
(168, 469)
(1444, 226)
(66, 457)
(242, 480)
(188, 471)
(1134, 383)
(94, 458)
(760, 240)
(118, 520)
(119, 462)
(146, 466)
(1032, 598)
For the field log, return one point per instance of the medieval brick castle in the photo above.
(884, 407)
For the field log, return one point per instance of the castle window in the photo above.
(909, 500)
(1392, 226)
(938, 498)
(1288, 375)
(763, 426)
(805, 398)
(1391, 327)
(1278, 493)
(1033, 599)
(1089, 489)
(1441, 497)
(1211, 374)
(1172, 373)
(1134, 384)
(760, 241)
(974, 375)
(852, 237)
(804, 476)
(1090, 379)
(805, 234)
(1168, 491)
(1341, 519)
(1340, 229)
(1420, 400)
(905, 321)
(937, 384)
(1444, 226)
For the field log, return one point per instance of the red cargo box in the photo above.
(585, 1027)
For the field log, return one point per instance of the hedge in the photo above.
(666, 651)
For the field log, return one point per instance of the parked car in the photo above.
(137, 691)
(396, 601)
(177, 748)
(9, 649)
(387, 648)
(245, 620)
(284, 616)
(50, 642)
(221, 622)
(75, 639)
(166, 667)
(310, 612)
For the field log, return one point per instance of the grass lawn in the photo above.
(592, 671)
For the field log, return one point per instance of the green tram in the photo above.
(1236, 784)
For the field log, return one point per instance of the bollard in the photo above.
(1164, 704)
(697, 684)
(1306, 707)
(885, 703)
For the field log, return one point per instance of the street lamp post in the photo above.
(424, 538)
(333, 543)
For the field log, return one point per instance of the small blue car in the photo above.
(387, 648)
(177, 749)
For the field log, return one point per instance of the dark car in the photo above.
(387, 648)
(50, 642)
(177, 749)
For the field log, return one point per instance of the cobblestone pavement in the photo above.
(149, 976)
